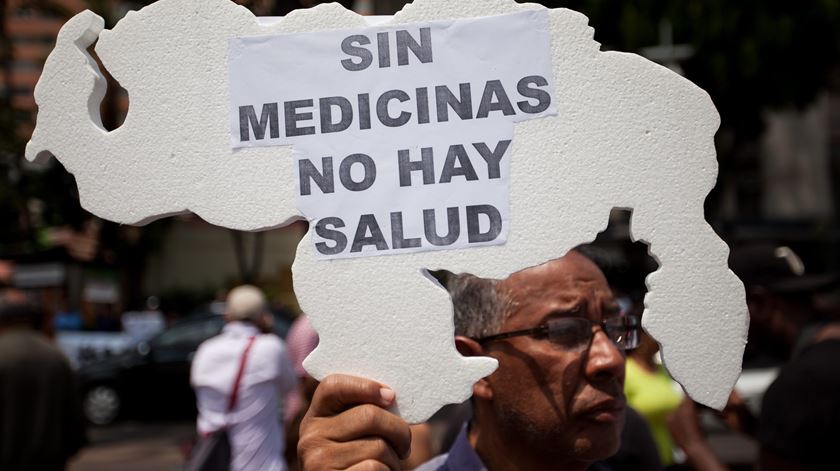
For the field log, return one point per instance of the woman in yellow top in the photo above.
(652, 392)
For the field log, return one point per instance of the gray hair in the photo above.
(480, 308)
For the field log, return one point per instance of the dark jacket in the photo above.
(41, 422)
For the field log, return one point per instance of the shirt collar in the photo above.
(462, 456)
(238, 328)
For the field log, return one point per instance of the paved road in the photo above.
(132, 446)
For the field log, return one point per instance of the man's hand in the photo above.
(347, 427)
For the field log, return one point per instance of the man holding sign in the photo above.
(399, 140)
(556, 401)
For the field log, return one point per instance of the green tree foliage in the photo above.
(749, 55)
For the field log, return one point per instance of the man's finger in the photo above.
(337, 393)
(346, 455)
(368, 420)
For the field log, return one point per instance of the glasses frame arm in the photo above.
(541, 330)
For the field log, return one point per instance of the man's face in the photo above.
(565, 402)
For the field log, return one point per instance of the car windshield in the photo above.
(190, 333)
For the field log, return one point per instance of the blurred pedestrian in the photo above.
(800, 413)
(246, 344)
(41, 421)
(652, 392)
(301, 340)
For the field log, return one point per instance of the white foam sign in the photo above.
(402, 134)
(462, 76)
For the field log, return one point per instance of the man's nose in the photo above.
(605, 360)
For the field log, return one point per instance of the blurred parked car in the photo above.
(152, 379)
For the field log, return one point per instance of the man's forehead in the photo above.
(572, 270)
(558, 284)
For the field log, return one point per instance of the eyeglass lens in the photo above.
(576, 332)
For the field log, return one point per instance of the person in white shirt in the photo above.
(254, 423)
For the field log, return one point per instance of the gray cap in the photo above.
(245, 303)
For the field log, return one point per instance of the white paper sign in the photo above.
(439, 97)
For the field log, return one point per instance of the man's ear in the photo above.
(470, 348)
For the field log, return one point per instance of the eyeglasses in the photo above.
(575, 333)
